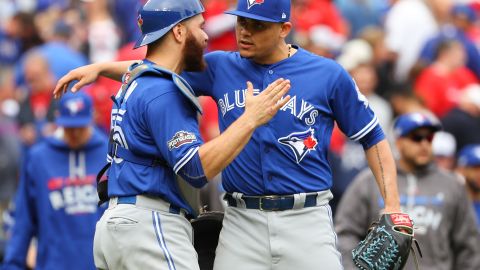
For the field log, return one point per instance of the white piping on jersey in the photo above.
(185, 159)
(74, 170)
(117, 118)
(365, 130)
(130, 90)
(119, 111)
(161, 240)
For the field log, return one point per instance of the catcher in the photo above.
(444, 219)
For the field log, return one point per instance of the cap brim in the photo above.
(151, 37)
(73, 122)
(433, 128)
(250, 16)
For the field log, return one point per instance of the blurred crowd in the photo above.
(405, 56)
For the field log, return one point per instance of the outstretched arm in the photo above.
(88, 74)
(382, 164)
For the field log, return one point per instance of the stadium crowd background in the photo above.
(405, 55)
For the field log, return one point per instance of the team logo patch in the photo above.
(252, 3)
(300, 142)
(75, 105)
(180, 138)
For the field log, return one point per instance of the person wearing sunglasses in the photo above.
(436, 200)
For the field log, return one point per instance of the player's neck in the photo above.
(281, 52)
(168, 59)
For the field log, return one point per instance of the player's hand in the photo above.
(84, 75)
(262, 107)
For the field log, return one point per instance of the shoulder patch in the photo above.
(180, 138)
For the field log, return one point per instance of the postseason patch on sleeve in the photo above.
(180, 138)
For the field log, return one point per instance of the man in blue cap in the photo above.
(436, 200)
(57, 201)
(469, 166)
(278, 187)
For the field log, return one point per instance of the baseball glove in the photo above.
(206, 230)
(387, 244)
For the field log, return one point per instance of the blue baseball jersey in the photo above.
(288, 155)
(154, 120)
(57, 203)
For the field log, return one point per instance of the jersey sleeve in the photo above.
(351, 109)
(202, 82)
(174, 126)
(25, 220)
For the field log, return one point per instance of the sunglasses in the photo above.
(420, 137)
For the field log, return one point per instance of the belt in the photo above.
(271, 203)
(154, 203)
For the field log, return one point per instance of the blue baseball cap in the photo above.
(263, 10)
(469, 156)
(75, 110)
(409, 122)
(464, 10)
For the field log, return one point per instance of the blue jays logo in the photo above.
(254, 2)
(75, 105)
(300, 142)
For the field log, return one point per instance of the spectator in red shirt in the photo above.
(220, 27)
(440, 84)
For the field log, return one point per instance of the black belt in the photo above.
(271, 203)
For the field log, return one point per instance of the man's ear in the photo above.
(286, 28)
(179, 32)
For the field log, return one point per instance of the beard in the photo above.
(193, 55)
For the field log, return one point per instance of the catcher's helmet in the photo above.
(157, 17)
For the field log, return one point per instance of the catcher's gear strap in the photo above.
(141, 68)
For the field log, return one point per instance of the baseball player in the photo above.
(155, 137)
(57, 201)
(435, 198)
(278, 186)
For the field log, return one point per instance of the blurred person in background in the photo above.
(9, 164)
(444, 148)
(57, 199)
(318, 26)
(463, 121)
(403, 100)
(219, 26)
(37, 106)
(382, 60)
(440, 85)
(445, 224)
(56, 50)
(408, 25)
(101, 25)
(362, 13)
(469, 168)
(462, 17)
